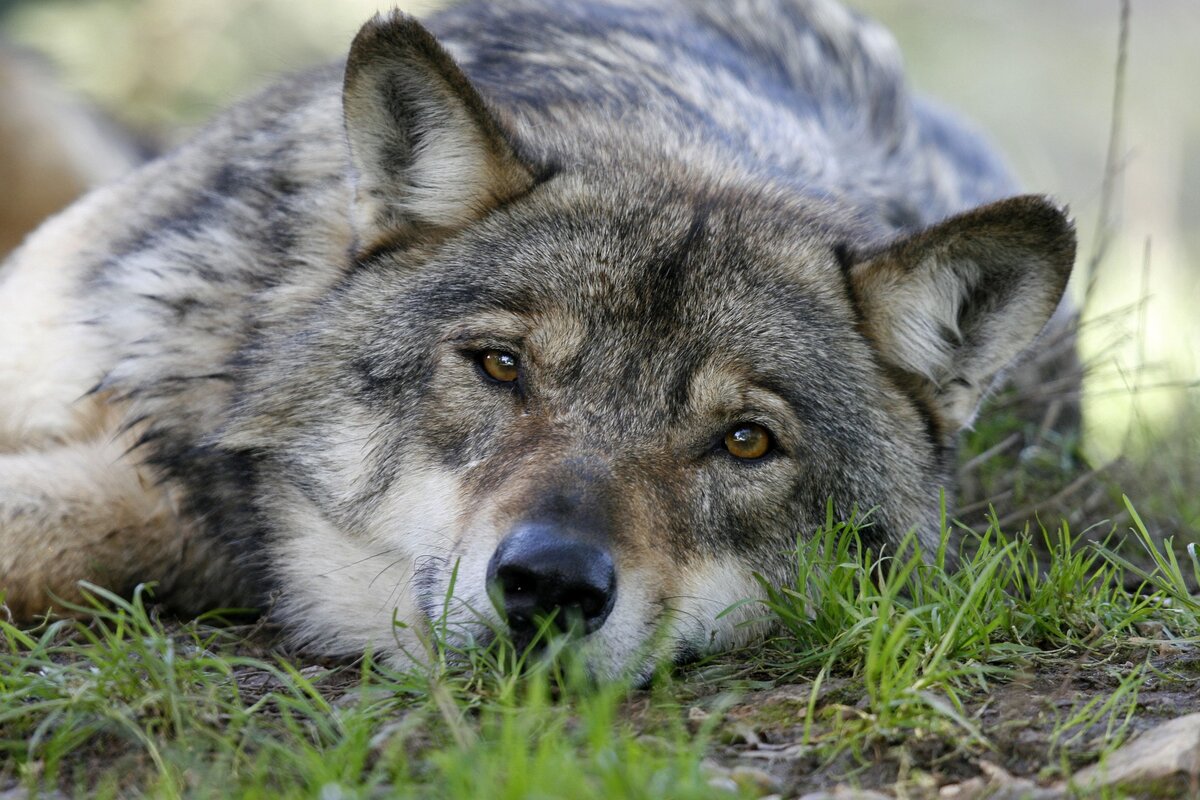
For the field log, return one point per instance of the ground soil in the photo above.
(759, 735)
(1018, 720)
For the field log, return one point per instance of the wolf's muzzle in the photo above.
(537, 570)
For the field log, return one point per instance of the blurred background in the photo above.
(1037, 76)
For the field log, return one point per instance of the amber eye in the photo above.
(499, 365)
(748, 441)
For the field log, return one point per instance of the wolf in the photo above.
(538, 308)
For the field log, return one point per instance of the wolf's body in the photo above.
(254, 366)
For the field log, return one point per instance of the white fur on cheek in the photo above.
(708, 589)
(627, 632)
(341, 592)
(641, 620)
(468, 613)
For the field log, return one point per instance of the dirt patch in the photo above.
(1039, 725)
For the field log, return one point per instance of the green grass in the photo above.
(919, 638)
(892, 649)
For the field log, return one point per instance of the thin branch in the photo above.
(1050, 502)
(1113, 161)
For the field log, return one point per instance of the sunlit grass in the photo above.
(123, 702)
(920, 639)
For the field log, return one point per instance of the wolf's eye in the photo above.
(499, 365)
(748, 441)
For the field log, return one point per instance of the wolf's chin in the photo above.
(600, 660)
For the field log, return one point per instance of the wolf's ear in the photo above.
(956, 302)
(426, 150)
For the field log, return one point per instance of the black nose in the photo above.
(537, 570)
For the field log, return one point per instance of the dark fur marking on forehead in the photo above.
(679, 395)
(647, 305)
(845, 258)
(695, 231)
(665, 279)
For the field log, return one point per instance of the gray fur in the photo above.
(680, 216)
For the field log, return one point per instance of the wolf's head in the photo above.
(613, 389)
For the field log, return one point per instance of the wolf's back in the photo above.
(804, 93)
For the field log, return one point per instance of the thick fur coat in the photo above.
(658, 280)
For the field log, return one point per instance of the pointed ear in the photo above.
(426, 150)
(956, 303)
